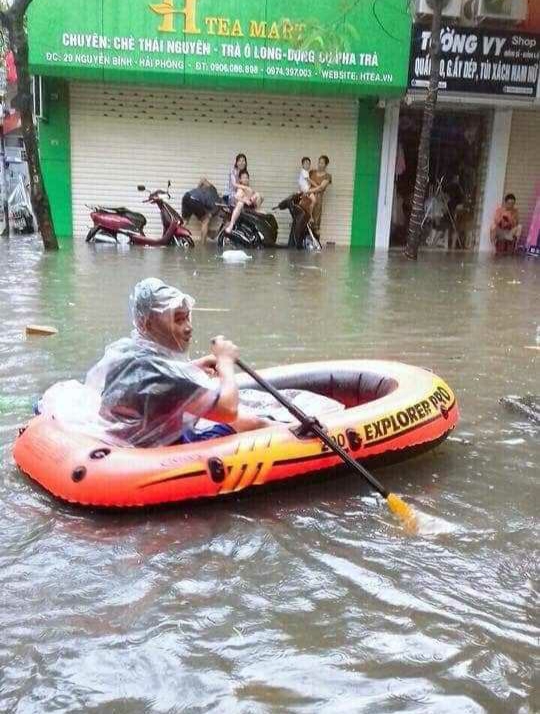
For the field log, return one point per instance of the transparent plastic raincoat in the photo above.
(151, 393)
(144, 394)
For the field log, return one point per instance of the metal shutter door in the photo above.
(523, 168)
(124, 135)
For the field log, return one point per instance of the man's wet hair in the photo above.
(509, 197)
(305, 158)
(325, 158)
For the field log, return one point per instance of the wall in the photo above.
(368, 165)
(533, 21)
(55, 148)
(523, 167)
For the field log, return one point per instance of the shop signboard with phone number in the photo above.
(322, 47)
(480, 61)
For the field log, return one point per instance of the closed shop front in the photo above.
(198, 135)
(143, 93)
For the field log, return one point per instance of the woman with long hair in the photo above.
(240, 164)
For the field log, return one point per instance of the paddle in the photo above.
(312, 426)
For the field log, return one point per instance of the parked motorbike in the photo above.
(252, 230)
(109, 223)
(303, 234)
(21, 216)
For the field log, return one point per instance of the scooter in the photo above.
(252, 230)
(109, 223)
(303, 235)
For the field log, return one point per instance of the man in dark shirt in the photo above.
(201, 202)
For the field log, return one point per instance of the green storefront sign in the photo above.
(355, 47)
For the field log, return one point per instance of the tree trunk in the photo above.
(40, 202)
(422, 170)
(5, 196)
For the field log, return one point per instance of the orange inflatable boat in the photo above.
(393, 411)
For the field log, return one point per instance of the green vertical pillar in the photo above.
(366, 182)
(55, 153)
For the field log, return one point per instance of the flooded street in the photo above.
(300, 599)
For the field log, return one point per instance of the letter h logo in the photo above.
(169, 11)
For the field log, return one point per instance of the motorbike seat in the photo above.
(112, 209)
(137, 218)
(224, 207)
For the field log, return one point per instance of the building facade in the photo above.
(486, 138)
(136, 91)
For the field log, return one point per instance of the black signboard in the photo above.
(478, 60)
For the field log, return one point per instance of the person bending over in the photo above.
(201, 202)
(246, 197)
(152, 394)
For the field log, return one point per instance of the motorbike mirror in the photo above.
(140, 187)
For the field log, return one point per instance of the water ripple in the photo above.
(306, 599)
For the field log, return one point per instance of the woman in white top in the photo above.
(240, 164)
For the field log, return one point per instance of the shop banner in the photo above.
(326, 46)
(478, 60)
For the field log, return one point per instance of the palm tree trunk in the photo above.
(13, 20)
(422, 170)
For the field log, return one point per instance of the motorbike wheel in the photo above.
(184, 242)
(311, 244)
(29, 226)
(245, 238)
(92, 234)
(223, 239)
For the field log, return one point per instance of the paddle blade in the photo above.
(404, 512)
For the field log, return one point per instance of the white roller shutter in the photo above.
(122, 136)
(523, 167)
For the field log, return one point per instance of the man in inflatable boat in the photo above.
(153, 395)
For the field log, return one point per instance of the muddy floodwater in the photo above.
(307, 599)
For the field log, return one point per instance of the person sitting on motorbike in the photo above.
(246, 197)
(152, 394)
(240, 164)
(201, 202)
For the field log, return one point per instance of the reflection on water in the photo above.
(305, 599)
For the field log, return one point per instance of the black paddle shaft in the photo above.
(313, 426)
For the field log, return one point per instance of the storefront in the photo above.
(141, 92)
(489, 81)
(458, 159)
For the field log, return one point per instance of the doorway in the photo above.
(456, 178)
